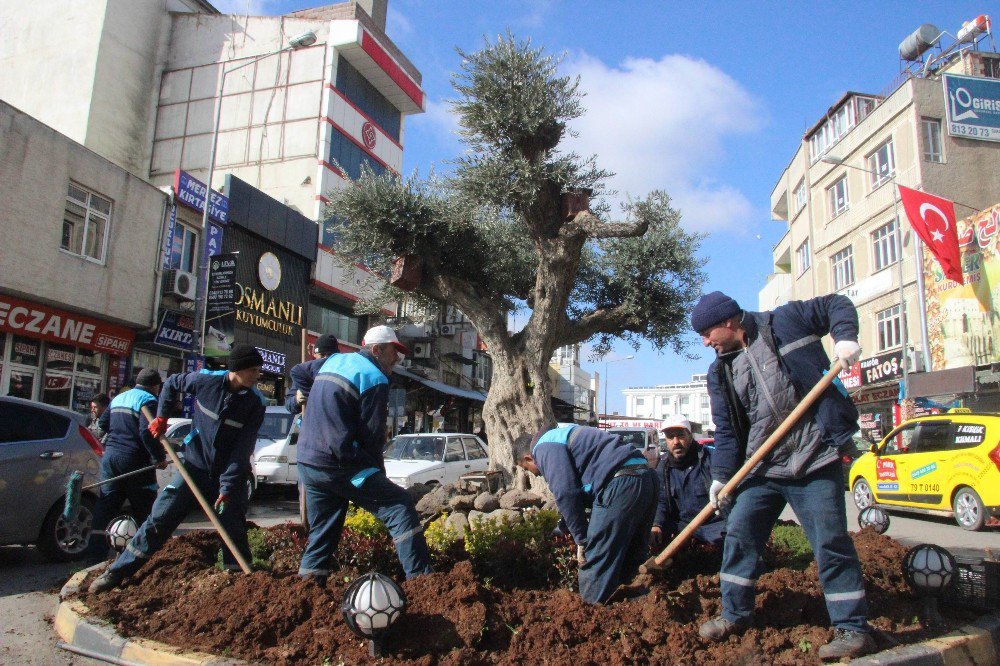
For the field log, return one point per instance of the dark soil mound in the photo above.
(454, 617)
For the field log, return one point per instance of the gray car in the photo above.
(40, 446)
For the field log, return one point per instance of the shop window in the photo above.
(59, 357)
(349, 157)
(89, 361)
(324, 318)
(25, 351)
(85, 223)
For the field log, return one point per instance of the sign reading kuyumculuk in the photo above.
(176, 330)
(274, 362)
(972, 107)
(191, 192)
(220, 305)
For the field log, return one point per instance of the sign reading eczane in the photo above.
(972, 107)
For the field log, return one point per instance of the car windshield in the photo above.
(275, 426)
(415, 448)
(635, 438)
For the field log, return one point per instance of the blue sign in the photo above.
(168, 238)
(213, 243)
(192, 363)
(888, 486)
(176, 330)
(923, 471)
(191, 192)
(972, 106)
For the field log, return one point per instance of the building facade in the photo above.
(574, 395)
(690, 399)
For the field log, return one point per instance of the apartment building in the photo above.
(658, 402)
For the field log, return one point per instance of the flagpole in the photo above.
(922, 301)
(903, 310)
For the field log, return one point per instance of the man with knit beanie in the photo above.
(304, 374)
(127, 448)
(227, 415)
(765, 363)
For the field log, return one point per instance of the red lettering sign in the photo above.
(885, 469)
(40, 321)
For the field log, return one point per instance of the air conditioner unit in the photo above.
(180, 284)
(421, 350)
(449, 329)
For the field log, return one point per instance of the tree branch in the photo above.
(602, 320)
(591, 225)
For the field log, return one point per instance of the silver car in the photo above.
(40, 446)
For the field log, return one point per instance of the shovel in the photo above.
(662, 561)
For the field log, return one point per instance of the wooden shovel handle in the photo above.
(206, 507)
(751, 462)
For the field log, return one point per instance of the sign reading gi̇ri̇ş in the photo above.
(191, 192)
(972, 106)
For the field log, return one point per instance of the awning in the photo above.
(443, 388)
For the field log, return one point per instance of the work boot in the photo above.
(719, 629)
(107, 580)
(847, 643)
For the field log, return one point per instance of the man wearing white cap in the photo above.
(685, 478)
(340, 456)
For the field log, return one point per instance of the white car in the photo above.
(434, 458)
(274, 459)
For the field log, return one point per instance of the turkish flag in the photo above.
(933, 218)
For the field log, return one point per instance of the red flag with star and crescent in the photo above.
(933, 218)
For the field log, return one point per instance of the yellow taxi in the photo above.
(947, 464)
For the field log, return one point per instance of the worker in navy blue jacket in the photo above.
(765, 363)
(587, 466)
(227, 415)
(304, 374)
(128, 446)
(340, 456)
(685, 476)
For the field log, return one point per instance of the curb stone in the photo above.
(976, 644)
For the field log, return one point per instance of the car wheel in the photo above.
(863, 497)
(64, 540)
(251, 488)
(970, 512)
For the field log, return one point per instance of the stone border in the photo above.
(976, 644)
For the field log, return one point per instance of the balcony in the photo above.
(777, 291)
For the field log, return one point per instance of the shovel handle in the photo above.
(206, 507)
(751, 462)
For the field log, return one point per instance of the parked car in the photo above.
(849, 453)
(947, 464)
(40, 446)
(640, 438)
(434, 458)
(274, 458)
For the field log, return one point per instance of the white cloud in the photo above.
(397, 25)
(662, 124)
(441, 124)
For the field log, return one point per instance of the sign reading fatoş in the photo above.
(972, 106)
(39, 321)
(192, 192)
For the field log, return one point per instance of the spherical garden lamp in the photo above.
(371, 605)
(874, 517)
(928, 569)
(120, 531)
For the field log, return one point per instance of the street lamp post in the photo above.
(614, 360)
(298, 42)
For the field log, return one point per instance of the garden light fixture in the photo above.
(874, 517)
(928, 569)
(371, 605)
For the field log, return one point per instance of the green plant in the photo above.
(805, 645)
(482, 537)
(440, 535)
(260, 548)
(361, 522)
(789, 545)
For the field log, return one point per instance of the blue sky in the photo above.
(707, 101)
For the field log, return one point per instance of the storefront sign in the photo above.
(213, 242)
(884, 394)
(168, 238)
(972, 104)
(191, 192)
(274, 362)
(192, 363)
(176, 330)
(220, 311)
(630, 423)
(40, 321)
(881, 368)
(259, 308)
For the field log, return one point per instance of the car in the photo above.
(274, 457)
(434, 458)
(945, 464)
(640, 438)
(850, 452)
(40, 446)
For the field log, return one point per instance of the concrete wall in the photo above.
(36, 165)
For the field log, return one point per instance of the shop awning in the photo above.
(443, 388)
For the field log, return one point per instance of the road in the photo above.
(29, 587)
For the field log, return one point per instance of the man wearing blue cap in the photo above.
(765, 362)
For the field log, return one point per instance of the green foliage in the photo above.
(805, 645)
(789, 545)
(363, 523)
(366, 545)
(440, 535)
(517, 553)
(260, 548)
(482, 537)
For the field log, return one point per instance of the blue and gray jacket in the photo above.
(577, 462)
(303, 376)
(684, 488)
(225, 425)
(344, 426)
(127, 425)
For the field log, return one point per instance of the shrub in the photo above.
(515, 553)
(366, 544)
(789, 545)
(360, 521)
(287, 541)
(260, 548)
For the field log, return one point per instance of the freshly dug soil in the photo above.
(453, 618)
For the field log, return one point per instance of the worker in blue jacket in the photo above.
(304, 374)
(685, 474)
(227, 416)
(340, 457)
(585, 465)
(128, 447)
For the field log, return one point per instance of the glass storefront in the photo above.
(53, 373)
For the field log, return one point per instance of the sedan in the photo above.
(434, 458)
(40, 446)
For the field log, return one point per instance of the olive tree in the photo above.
(501, 235)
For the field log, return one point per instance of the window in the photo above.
(336, 321)
(24, 423)
(473, 451)
(803, 257)
(366, 97)
(884, 246)
(838, 196)
(639, 402)
(930, 138)
(85, 223)
(454, 452)
(888, 327)
(349, 157)
(800, 196)
(901, 441)
(843, 268)
(184, 249)
(882, 165)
